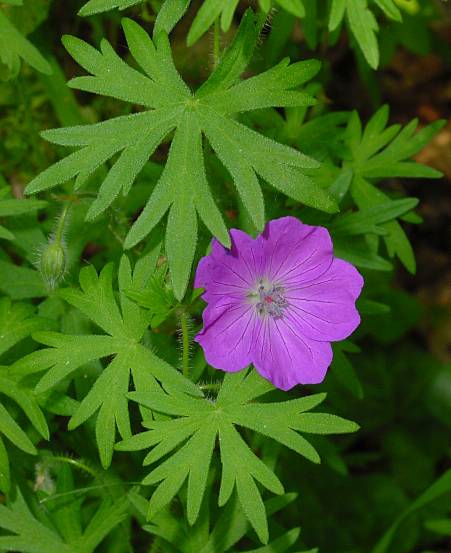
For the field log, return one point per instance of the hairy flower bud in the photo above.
(52, 264)
(52, 260)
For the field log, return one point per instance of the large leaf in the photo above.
(199, 422)
(183, 189)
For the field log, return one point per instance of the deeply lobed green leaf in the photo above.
(182, 190)
(123, 324)
(190, 439)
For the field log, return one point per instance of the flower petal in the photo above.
(286, 358)
(324, 309)
(229, 272)
(295, 252)
(227, 335)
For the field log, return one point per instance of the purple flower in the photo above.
(277, 302)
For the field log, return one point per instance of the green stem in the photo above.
(76, 463)
(86, 489)
(62, 221)
(185, 343)
(216, 44)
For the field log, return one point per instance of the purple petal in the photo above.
(241, 243)
(295, 252)
(229, 272)
(286, 358)
(325, 308)
(227, 335)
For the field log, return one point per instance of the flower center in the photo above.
(268, 299)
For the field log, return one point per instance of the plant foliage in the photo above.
(191, 119)
(360, 17)
(15, 46)
(201, 421)
(123, 326)
(183, 187)
(29, 534)
(17, 321)
(15, 207)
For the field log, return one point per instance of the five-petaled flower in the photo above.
(277, 301)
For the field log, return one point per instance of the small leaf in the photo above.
(337, 13)
(208, 12)
(169, 15)
(363, 26)
(14, 433)
(97, 6)
(390, 9)
(17, 45)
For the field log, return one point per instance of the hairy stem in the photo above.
(216, 44)
(74, 462)
(61, 223)
(213, 386)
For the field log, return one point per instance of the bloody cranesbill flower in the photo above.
(277, 301)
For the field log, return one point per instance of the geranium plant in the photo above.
(199, 244)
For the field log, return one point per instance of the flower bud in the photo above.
(52, 264)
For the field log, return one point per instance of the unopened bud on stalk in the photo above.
(52, 264)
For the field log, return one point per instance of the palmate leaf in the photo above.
(183, 188)
(30, 535)
(16, 323)
(199, 422)
(379, 152)
(123, 326)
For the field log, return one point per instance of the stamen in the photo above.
(269, 299)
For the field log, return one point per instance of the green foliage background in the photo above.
(133, 131)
